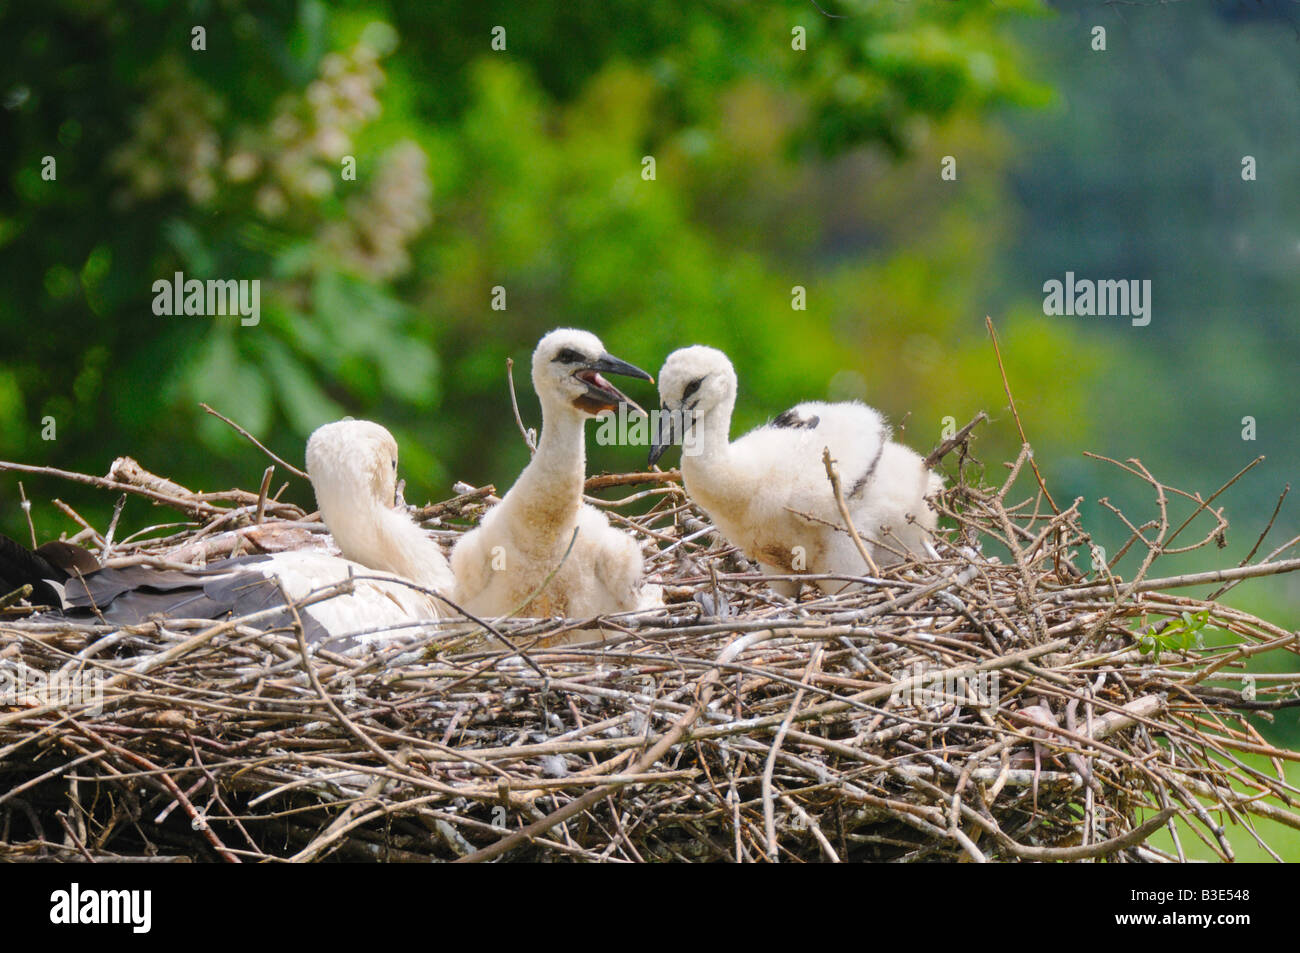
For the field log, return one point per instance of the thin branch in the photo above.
(257, 443)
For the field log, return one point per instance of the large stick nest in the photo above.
(995, 702)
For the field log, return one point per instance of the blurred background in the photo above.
(793, 145)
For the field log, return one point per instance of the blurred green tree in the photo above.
(790, 149)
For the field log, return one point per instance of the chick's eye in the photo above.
(692, 387)
(394, 465)
(568, 356)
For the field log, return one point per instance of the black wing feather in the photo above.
(792, 421)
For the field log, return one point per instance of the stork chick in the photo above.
(352, 465)
(768, 492)
(515, 560)
(353, 469)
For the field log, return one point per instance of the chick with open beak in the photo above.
(542, 551)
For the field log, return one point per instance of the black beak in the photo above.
(601, 394)
(663, 437)
(609, 364)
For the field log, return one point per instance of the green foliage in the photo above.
(1136, 172)
(1178, 636)
(476, 168)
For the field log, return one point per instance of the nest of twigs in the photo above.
(1008, 699)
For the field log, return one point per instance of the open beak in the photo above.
(601, 395)
(663, 436)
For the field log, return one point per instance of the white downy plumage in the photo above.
(376, 610)
(502, 567)
(756, 488)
